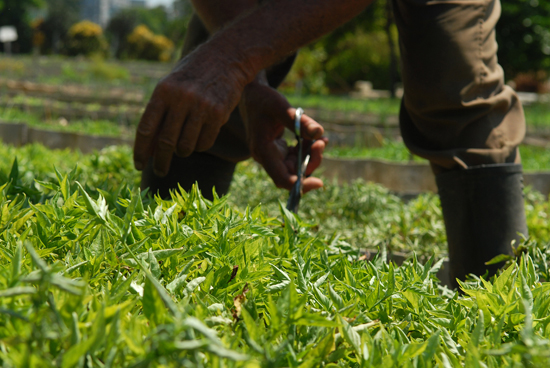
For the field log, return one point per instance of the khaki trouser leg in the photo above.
(456, 111)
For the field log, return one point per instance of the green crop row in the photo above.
(93, 273)
(534, 158)
(57, 70)
(365, 215)
(85, 126)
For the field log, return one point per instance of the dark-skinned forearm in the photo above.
(216, 14)
(278, 28)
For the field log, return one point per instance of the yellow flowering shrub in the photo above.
(86, 38)
(144, 44)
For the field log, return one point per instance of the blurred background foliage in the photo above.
(158, 24)
(17, 13)
(359, 50)
(366, 48)
(523, 34)
(86, 38)
(144, 44)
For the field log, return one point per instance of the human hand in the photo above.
(266, 114)
(188, 108)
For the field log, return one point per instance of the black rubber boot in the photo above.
(208, 170)
(483, 212)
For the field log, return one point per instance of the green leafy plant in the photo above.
(111, 277)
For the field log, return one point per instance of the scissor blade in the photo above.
(294, 198)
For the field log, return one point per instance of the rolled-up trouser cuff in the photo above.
(456, 111)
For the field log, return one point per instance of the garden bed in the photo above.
(95, 274)
(73, 93)
(406, 178)
(19, 134)
(125, 114)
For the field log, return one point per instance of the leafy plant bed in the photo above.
(72, 93)
(84, 126)
(110, 278)
(366, 215)
(56, 70)
(48, 109)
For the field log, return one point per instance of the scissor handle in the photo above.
(297, 120)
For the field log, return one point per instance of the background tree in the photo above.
(523, 34)
(157, 20)
(16, 13)
(86, 38)
(62, 14)
(118, 29)
(362, 49)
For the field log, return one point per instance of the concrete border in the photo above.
(404, 178)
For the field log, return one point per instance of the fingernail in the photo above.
(138, 165)
(315, 132)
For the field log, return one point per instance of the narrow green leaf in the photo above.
(313, 319)
(47, 185)
(74, 267)
(323, 299)
(18, 290)
(14, 172)
(226, 353)
(302, 283)
(351, 336)
(176, 284)
(477, 334)
(190, 344)
(91, 205)
(16, 262)
(36, 258)
(192, 285)
(187, 267)
(282, 274)
(153, 307)
(251, 325)
(322, 280)
(336, 299)
(525, 290)
(75, 352)
(431, 347)
(154, 266)
(168, 302)
(498, 259)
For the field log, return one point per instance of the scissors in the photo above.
(301, 166)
